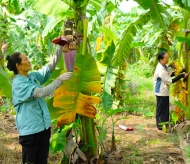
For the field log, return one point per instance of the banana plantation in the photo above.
(105, 39)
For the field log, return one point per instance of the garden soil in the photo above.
(144, 145)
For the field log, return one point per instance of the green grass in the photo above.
(139, 92)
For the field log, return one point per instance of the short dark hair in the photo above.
(161, 55)
(13, 60)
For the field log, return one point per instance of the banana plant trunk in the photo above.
(88, 136)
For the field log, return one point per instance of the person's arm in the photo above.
(178, 78)
(183, 75)
(44, 73)
(182, 71)
(52, 64)
(47, 90)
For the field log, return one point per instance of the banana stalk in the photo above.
(88, 137)
(85, 25)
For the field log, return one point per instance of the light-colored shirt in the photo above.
(162, 80)
(32, 115)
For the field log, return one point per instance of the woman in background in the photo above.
(162, 82)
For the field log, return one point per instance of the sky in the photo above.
(127, 5)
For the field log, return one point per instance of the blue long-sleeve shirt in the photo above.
(32, 115)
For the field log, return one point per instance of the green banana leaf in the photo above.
(96, 3)
(55, 8)
(155, 12)
(147, 4)
(183, 39)
(96, 10)
(110, 6)
(5, 83)
(159, 14)
(14, 6)
(109, 75)
(50, 26)
(183, 4)
(124, 44)
(110, 33)
(52, 109)
(58, 140)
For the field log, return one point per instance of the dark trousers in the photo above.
(162, 110)
(35, 147)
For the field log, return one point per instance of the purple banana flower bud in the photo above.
(69, 58)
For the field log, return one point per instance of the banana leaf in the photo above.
(5, 83)
(15, 6)
(159, 14)
(183, 4)
(70, 98)
(109, 32)
(124, 44)
(58, 140)
(183, 39)
(146, 4)
(55, 8)
(109, 75)
(50, 26)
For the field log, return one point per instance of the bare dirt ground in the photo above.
(144, 145)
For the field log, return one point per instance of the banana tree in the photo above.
(184, 43)
(86, 79)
